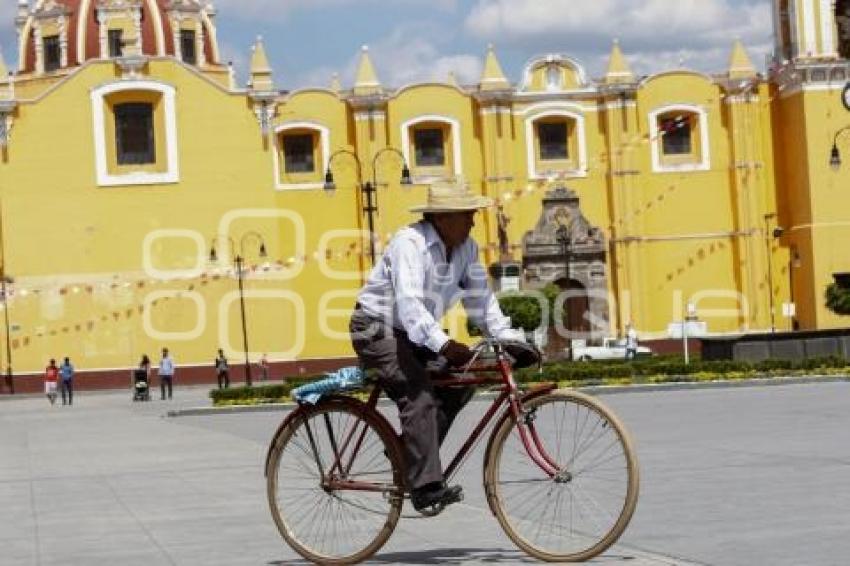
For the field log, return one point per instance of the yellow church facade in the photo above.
(128, 153)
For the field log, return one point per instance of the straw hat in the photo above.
(452, 196)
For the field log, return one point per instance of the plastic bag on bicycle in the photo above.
(344, 379)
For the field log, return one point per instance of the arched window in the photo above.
(555, 142)
(679, 136)
(676, 131)
(135, 133)
(301, 155)
(52, 53)
(431, 146)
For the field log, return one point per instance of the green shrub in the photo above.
(269, 393)
(816, 363)
(661, 369)
(838, 299)
(525, 311)
(772, 365)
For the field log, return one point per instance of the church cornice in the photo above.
(64, 75)
(810, 75)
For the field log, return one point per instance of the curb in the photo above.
(718, 384)
(592, 389)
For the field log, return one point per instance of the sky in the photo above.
(307, 41)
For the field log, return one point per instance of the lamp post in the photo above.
(10, 383)
(368, 189)
(777, 232)
(690, 314)
(794, 262)
(4, 280)
(835, 155)
(239, 263)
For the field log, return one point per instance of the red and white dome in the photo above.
(80, 24)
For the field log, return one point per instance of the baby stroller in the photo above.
(141, 387)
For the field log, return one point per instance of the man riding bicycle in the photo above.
(426, 269)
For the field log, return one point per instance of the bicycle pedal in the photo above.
(432, 511)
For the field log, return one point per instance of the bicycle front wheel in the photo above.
(335, 482)
(584, 509)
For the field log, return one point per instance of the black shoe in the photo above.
(432, 498)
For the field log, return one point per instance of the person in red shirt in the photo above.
(51, 374)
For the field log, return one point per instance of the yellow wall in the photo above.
(815, 200)
(76, 250)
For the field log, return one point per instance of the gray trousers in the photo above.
(426, 413)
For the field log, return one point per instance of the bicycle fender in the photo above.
(543, 389)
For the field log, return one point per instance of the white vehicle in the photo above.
(611, 349)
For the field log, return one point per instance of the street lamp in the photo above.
(4, 280)
(369, 189)
(10, 383)
(835, 155)
(777, 232)
(239, 262)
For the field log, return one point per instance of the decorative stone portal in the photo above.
(563, 248)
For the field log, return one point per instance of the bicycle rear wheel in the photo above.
(584, 509)
(327, 524)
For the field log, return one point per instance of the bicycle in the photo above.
(560, 472)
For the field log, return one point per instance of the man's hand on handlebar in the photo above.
(456, 353)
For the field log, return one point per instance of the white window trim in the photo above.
(172, 172)
(325, 140)
(705, 149)
(548, 111)
(540, 107)
(456, 145)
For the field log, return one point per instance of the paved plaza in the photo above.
(743, 476)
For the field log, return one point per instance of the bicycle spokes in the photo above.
(581, 508)
(334, 485)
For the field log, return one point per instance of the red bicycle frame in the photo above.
(335, 478)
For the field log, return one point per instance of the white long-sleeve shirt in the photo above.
(166, 366)
(412, 287)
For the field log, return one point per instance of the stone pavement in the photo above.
(743, 476)
(109, 482)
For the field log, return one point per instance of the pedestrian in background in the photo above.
(631, 342)
(222, 371)
(145, 364)
(140, 380)
(66, 372)
(166, 374)
(264, 368)
(51, 376)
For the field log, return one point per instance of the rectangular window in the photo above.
(52, 53)
(298, 153)
(116, 43)
(553, 141)
(430, 151)
(187, 46)
(676, 138)
(134, 133)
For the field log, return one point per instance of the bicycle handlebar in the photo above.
(521, 355)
